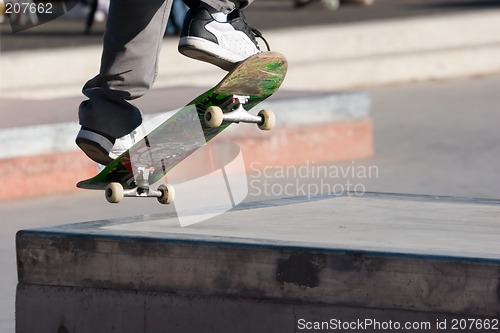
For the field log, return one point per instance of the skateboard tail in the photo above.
(259, 75)
(88, 184)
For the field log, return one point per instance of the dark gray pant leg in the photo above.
(132, 41)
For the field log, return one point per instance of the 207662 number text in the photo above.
(28, 8)
(470, 324)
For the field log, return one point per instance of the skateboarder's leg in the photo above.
(132, 41)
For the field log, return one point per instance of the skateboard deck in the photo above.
(151, 158)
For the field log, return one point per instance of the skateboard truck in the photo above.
(115, 192)
(234, 112)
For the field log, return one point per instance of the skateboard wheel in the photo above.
(214, 116)
(268, 120)
(114, 192)
(167, 194)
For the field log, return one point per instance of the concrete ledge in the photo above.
(440, 257)
(292, 113)
(410, 49)
(41, 160)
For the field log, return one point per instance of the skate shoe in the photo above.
(223, 44)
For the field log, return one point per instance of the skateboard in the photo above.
(132, 173)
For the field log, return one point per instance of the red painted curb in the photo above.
(34, 176)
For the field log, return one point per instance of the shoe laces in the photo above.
(252, 32)
(258, 34)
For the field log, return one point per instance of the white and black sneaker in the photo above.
(223, 44)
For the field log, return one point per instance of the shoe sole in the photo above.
(200, 49)
(99, 155)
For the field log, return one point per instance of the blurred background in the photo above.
(407, 89)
